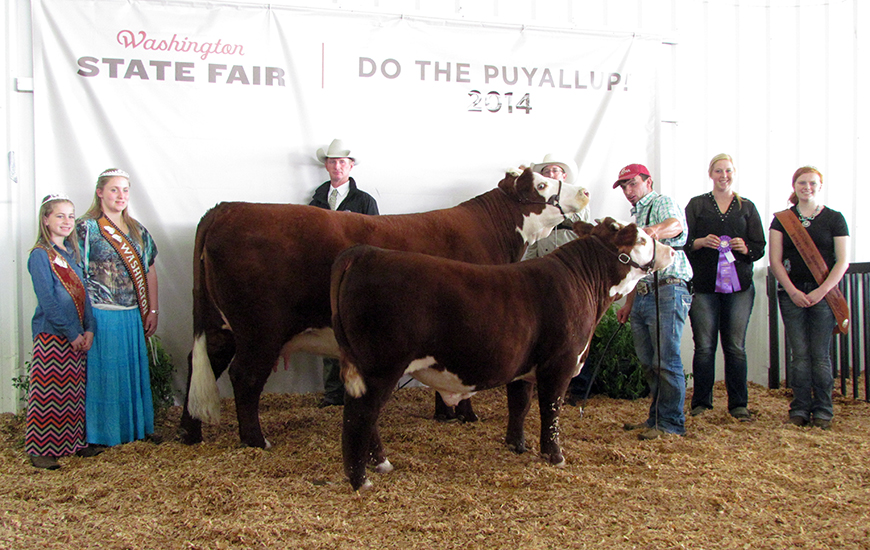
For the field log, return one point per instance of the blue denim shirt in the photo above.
(55, 311)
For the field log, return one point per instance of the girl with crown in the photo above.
(121, 280)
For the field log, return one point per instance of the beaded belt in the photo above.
(644, 287)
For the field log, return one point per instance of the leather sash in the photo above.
(131, 260)
(817, 266)
(69, 279)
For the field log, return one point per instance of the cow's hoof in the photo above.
(189, 439)
(554, 460)
(468, 418)
(384, 467)
(364, 488)
(518, 448)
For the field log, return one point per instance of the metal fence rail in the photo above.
(850, 353)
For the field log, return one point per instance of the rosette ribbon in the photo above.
(726, 274)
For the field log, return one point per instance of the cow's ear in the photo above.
(509, 183)
(627, 236)
(612, 223)
(583, 229)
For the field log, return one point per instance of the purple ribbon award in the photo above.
(726, 274)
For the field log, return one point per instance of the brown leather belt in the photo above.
(644, 288)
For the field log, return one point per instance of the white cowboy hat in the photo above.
(568, 166)
(336, 150)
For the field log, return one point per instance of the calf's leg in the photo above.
(360, 438)
(519, 394)
(550, 395)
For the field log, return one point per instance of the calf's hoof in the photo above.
(384, 467)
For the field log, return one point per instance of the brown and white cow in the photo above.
(461, 328)
(261, 277)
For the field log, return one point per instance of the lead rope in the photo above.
(658, 348)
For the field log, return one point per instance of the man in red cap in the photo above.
(664, 220)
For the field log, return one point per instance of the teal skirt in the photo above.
(118, 406)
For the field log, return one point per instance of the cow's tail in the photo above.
(353, 380)
(203, 397)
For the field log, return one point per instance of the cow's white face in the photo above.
(572, 198)
(644, 251)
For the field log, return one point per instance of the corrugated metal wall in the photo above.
(774, 83)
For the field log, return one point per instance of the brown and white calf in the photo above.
(461, 328)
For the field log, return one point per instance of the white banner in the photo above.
(204, 102)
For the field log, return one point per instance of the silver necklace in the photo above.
(806, 221)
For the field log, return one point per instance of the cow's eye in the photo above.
(542, 186)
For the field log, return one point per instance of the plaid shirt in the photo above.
(657, 208)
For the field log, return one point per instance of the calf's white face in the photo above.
(645, 250)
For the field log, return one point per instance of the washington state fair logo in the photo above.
(179, 71)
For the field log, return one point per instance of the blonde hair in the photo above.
(96, 209)
(725, 156)
(43, 237)
(800, 172)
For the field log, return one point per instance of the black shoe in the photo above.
(91, 450)
(44, 462)
(823, 424)
(741, 413)
(330, 401)
(630, 426)
(798, 421)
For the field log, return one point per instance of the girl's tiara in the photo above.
(55, 197)
(112, 172)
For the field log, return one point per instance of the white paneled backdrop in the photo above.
(775, 83)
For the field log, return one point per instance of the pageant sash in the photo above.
(813, 258)
(726, 273)
(69, 279)
(130, 259)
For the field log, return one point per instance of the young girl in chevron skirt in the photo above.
(63, 330)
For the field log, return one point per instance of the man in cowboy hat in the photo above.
(562, 170)
(663, 219)
(339, 193)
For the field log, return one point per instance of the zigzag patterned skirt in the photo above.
(56, 398)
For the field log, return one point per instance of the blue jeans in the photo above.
(810, 376)
(715, 315)
(668, 387)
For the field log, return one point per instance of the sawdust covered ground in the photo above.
(726, 484)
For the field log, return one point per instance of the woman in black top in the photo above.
(808, 320)
(725, 238)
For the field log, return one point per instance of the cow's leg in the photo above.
(519, 394)
(249, 371)
(221, 348)
(443, 412)
(360, 437)
(462, 411)
(550, 396)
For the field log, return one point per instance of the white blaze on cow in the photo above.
(462, 328)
